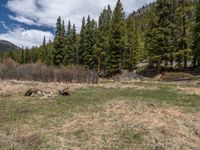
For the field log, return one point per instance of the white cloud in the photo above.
(26, 38)
(45, 12)
(23, 20)
(4, 25)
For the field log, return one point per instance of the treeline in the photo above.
(108, 46)
(165, 33)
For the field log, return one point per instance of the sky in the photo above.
(26, 22)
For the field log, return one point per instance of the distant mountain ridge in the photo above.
(6, 46)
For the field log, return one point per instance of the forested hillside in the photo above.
(164, 33)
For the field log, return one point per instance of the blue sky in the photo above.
(26, 22)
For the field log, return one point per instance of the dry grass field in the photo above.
(107, 116)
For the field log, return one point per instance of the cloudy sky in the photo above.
(26, 22)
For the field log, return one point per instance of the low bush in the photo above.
(40, 72)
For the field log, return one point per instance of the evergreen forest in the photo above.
(165, 34)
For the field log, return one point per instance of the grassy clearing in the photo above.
(102, 118)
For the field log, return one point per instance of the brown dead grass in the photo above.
(28, 141)
(19, 88)
(117, 124)
(189, 90)
(136, 125)
(159, 128)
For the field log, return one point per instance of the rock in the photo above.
(36, 92)
(47, 94)
(128, 76)
(64, 92)
(33, 92)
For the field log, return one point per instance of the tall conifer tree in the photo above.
(159, 38)
(182, 47)
(196, 37)
(59, 43)
(71, 54)
(89, 55)
(103, 38)
(132, 50)
(75, 45)
(82, 42)
(44, 51)
(117, 40)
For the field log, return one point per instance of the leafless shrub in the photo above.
(40, 72)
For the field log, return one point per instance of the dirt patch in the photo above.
(122, 122)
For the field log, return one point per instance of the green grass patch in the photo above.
(83, 100)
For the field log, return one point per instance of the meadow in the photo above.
(110, 115)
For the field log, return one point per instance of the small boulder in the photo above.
(33, 92)
(64, 92)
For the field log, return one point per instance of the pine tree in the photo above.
(33, 54)
(71, 47)
(49, 60)
(132, 50)
(151, 42)
(196, 37)
(74, 45)
(89, 55)
(116, 40)
(82, 44)
(172, 27)
(63, 28)
(183, 48)
(44, 42)
(44, 51)
(27, 56)
(103, 39)
(59, 46)
(69, 29)
(23, 56)
(159, 37)
(67, 52)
